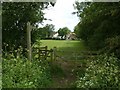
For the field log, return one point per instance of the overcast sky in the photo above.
(61, 15)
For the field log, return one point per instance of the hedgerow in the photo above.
(102, 71)
(22, 73)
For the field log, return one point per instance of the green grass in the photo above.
(68, 49)
(63, 45)
(66, 64)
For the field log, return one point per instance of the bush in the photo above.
(21, 73)
(102, 71)
(0, 75)
(113, 45)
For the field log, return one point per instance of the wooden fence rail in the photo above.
(54, 54)
(43, 53)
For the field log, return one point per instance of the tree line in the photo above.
(48, 31)
(99, 25)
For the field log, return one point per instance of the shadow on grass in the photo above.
(57, 71)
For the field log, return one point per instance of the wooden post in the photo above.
(54, 52)
(39, 54)
(46, 53)
(46, 47)
(29, 41)
(51, 56)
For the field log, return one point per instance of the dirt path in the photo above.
(68, 77)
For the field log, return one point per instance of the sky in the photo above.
(61, 15)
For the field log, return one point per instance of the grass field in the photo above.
(64, 68)
(63, 45)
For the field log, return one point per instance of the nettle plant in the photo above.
(18, 72)
(103, 71)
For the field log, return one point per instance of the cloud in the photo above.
(61, 15)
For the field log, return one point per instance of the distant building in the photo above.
(71, 36)
(56, 35)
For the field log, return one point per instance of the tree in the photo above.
(63, 32)
(43, 33)
(98, 22)
(49, 28)
(76, 31)
(14, 19)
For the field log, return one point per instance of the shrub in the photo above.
(0, 75)
(113, 45)
(21, 73)
(102, 71)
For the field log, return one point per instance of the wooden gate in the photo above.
(42, 53)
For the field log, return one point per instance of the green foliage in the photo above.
(0, 75)
(98, 21)
(37, 44)
(76, 31)
(14, 19)
(49, 28)
(113, 45)
(43, 33)
(21, 73)
(102, 71)
(63, 32)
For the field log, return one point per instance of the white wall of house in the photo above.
(56, 36)
(69, 36)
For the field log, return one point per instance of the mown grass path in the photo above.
(64, 71)
(66, 75)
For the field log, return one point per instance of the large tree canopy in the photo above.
(98, 22)
(15, 16)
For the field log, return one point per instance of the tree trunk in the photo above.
(29, 41)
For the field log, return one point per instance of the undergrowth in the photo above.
(22, 73)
